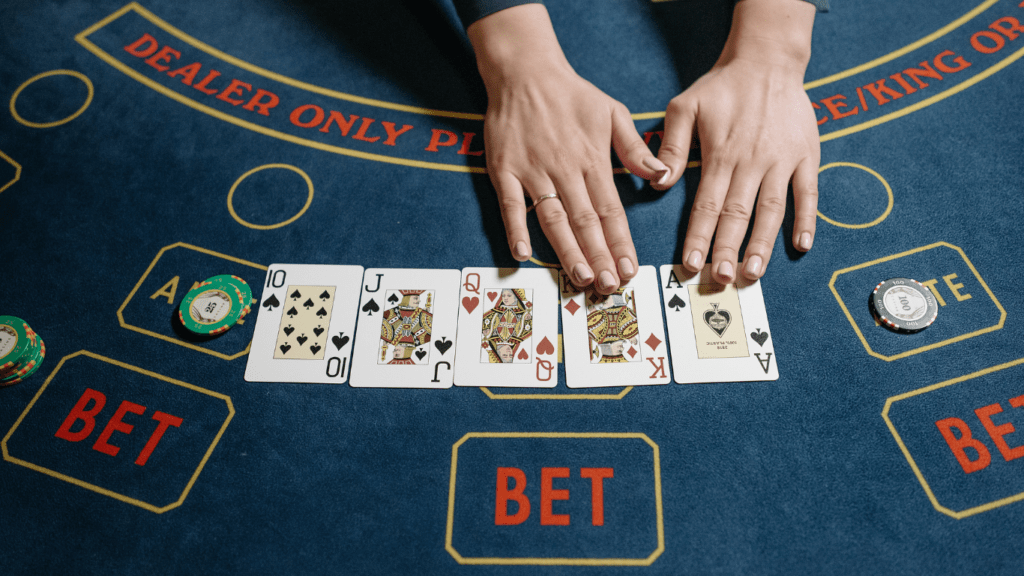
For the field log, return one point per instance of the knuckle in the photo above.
(706, 209)
(772, 203)
(736, 211)
(552, 218)
(510, 205)
(610, 210)
(585, 220)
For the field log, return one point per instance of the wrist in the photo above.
(776, 33)
(515, 43)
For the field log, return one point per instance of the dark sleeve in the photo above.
(470, 11)
(821, 5)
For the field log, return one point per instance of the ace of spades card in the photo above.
(614, 340)
(717, 333)
(508, 328)
(305, 324)
(407, 329)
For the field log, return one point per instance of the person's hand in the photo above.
(757, 130)
(548, 131)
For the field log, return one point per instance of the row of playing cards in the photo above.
(404, 328)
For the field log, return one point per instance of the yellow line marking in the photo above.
(231, 195)
(17, 171)
(105, 491)
(124, 324)
(888, 190)
(860, 335)
(76, 114)
(618, 396)
(959, 515)
(904, 50)
(557, 561)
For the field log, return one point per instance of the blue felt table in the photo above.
(351, 133)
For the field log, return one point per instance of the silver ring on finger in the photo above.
(541, 199)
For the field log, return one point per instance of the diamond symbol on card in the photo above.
(572, 307)
(632, 352)
(595, 298)
(653, 341)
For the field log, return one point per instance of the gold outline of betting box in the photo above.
(994, 327)
(910, 459)
(120, 311)
(556, 561)
(104, 491)
(17, 171)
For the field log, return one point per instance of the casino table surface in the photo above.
(147, 146)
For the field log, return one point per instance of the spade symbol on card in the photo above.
(442, 345)
(325, 295)
(371, 307)
(759, 337)
(420, 354)
(308, 303)
(293, 312)
(321, 313)
(677, 303)
(314, 349)
(340, 340)
(288, 330)
(318, 331)
(392, 298)
(296, 295)
(285, 348)
(301, 339)
(717, 320)
(271, 303)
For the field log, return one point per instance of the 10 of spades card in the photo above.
(717, 333)
(305, 325)
(407, 327)
(508, 328)
(616, 339)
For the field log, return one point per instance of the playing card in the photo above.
(305, 324)
(508, 328)
(614, 340)
(717, 333)
(407, 328)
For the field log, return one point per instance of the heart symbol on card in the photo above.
(302, 339)
(420, 354)
(340, 340)
(285, 348)
(271, 303)
(288, 330)
(491, 296)
(318, 330)
(314, 349)
(442, 345)
(524, 355)
(759, 337)
(470, 304)
(545, 347)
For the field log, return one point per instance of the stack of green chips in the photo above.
(215, 305)
(21, 350)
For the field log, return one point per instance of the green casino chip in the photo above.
(210, 308)
(29, 367)
(15, 343)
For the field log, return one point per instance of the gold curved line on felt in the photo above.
(494, 396)
(959, 515)
(904, 50)
(888, 190)
(74, 74)
(297, 170)
(106, 491)
(659, 509)
(860, 335)
(165, 338)
(17, 171)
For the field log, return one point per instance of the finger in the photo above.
(513, 214)
(587, 226)
(680, 117)
(707, 206)
(554, 221)
(605, 198)
(631, 149)
(733, 222)
(805, 204)
(771, 208)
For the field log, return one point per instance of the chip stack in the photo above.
(21, 350)
(215, 305)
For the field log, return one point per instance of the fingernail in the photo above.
(663, 178)
(695, 260)
(625, 268)
(754, 266)
(521, 252)
(805, 241)
(725, 270)
(606, 281)
(656, 165)
(583, 274)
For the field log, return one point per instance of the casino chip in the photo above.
(21, 350)
(904, 305)
(215, 305)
